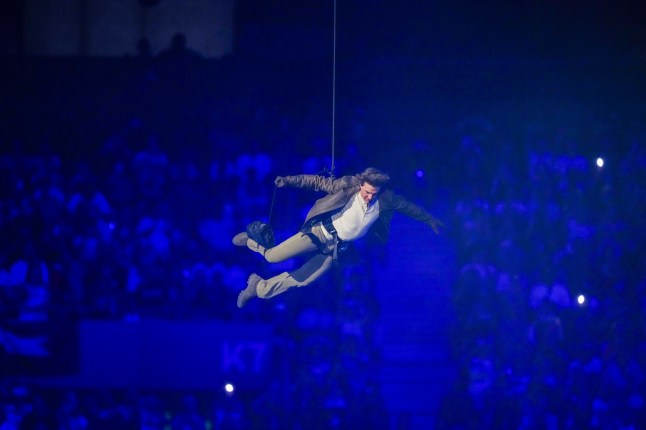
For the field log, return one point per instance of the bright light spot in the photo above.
(580, 299)
(419, 173)
(600, 162)
(229, 388)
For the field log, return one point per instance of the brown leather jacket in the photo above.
(340, 190)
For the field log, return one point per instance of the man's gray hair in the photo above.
(374, 177)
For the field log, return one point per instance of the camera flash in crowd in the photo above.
(600, 162)
(580, 299)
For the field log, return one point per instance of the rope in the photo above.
(332, 166)
(333, 86)
(271, 208)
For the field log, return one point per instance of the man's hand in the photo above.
(436, 224)
(280, 182)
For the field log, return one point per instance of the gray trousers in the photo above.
(296, 245)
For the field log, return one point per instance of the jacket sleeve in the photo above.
(401, 204)
(317, 183)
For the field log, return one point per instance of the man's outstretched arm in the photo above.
(416, 212)
(311, 182)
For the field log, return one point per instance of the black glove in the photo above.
(280, 182)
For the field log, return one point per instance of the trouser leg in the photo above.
(313, 269)
(295, 245)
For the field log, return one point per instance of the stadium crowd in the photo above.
(113, 207)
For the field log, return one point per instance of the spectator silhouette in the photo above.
(178, 50)
(144, 48)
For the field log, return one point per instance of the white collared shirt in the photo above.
(355, 219)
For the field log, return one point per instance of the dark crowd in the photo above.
(550, 296)
(124, 182)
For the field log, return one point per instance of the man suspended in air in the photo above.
(353, 206)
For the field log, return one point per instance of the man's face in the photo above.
(368, 192)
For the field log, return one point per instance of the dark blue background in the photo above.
(126, 179)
